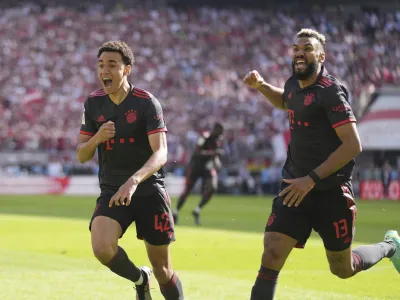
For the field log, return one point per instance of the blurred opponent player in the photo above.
(126, 126)
(316, 192)
(204, 164)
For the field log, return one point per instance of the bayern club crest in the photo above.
(309, 99)
(131, 116)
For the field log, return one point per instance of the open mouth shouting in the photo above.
(107, 82)
(300, 63)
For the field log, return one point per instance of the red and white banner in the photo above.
(374, 190)
(377, 127)
(76, 185)
(32, 96)
(89, 186)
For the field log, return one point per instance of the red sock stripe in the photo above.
(357, 262)
(171, 283)
(265, 277)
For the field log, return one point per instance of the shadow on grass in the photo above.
(237, 213)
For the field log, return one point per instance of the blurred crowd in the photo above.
(192, 60)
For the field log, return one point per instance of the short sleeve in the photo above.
(88, 127)
(154, 117)
(336, 106)
(287, 93)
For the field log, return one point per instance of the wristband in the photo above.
(314, 176)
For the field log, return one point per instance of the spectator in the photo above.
(194, 60)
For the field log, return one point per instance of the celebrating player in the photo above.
(126, 126)
(316, 192)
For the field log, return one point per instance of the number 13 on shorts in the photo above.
(341, 228)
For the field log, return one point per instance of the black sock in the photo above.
(364, 257)
(205, 199)
(181, 201)
(172, 290)
(122, 266)
(265, 285)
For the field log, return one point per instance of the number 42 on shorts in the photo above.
(161, 222)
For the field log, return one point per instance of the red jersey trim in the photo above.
(326, 82)
(141, 93)
(97, 93)
(141, 96)
(344, 122)
(157, 130)
(141, 90)
(86, 133)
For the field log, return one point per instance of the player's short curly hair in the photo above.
(120, 47)
(311, 33)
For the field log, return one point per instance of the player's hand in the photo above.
(124, 194)
(106, 131)
(253, 79)
(297, 190)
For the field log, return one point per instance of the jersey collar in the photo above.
(322, 73)
(132, 86)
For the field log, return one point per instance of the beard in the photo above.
(303, 75)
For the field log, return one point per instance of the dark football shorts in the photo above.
(331, 213)
(151, 213)
(195, 173)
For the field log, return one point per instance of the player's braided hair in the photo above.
(311, 33)
(120, 47)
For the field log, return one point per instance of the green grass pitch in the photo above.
(45, 253)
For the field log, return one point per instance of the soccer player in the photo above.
(204, 164)
(316, 192)
(126, 126)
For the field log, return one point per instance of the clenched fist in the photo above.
(106, 131)
(253, 79)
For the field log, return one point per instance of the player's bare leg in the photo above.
(345, 264)
(277, 247)
(209, 188)
(105, 233)
(160, 259)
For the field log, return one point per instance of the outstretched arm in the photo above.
(274, 94)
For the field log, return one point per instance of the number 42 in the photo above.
(158, 224)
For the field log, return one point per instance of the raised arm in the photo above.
(274, 94)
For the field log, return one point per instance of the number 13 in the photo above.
(341, 228)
